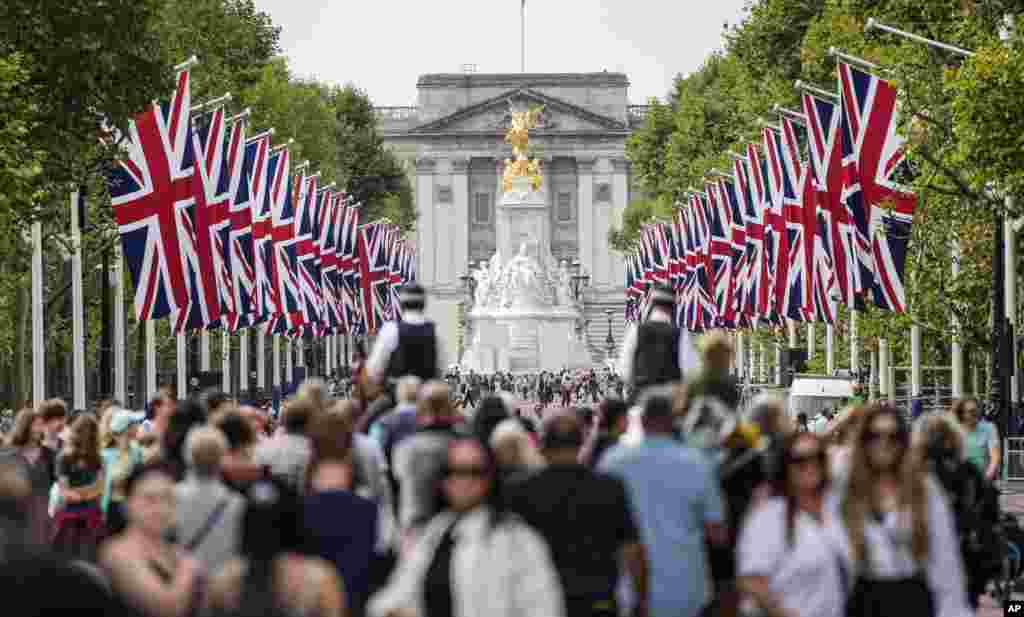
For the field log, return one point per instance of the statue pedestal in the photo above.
(523, 320)
(522, 218)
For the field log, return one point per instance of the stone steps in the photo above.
(597, 328)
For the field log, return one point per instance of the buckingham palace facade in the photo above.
(453, 146)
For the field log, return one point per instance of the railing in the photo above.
(396, 113)
(637, 113)
(1013, 459)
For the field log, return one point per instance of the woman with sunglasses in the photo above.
(475, 551)
(893, 529)
(784, 562)
(981, 439)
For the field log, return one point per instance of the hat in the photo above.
(662, 296)
(124, 419)
(412, 294)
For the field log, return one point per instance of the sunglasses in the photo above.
(893, 437)
(806, 457)
(468, 472)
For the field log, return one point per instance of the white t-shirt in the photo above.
(804, 576)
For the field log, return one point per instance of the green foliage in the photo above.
(960, 116)
(373, 175)
(299, 110)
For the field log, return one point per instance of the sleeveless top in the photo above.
(416, 353)
(656, 359)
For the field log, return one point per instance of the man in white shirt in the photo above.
(407, 347)
(656, 352)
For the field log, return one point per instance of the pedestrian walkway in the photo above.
(1012, 502)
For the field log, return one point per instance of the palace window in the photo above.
(444, 194)
(604, 193)
(482, 208)
(564, 207)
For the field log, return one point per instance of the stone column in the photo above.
(443, 238)
(426, 225)
(620, 199)
(459, 227)
(585, 210)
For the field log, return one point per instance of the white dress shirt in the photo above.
(387, 343)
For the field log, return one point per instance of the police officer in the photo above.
(409, 346)
(656, 352)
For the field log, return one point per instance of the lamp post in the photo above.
(580, 280)
(610, 340)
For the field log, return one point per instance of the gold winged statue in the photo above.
(519, 137)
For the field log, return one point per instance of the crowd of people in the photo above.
(394, 500)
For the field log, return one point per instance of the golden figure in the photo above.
(519, 137)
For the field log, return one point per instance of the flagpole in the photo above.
(830, 349)
(77, 309)
(261, 361)
(225, 361)
(243, 361)
(150, 326)
(38, 342)
(957, 352)
(522, 36)
(204, 350)
(182, 361)
(276, 361)
(854, 343)
(120, 370)
(810, 340)
(289, 360)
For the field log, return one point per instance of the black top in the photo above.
(656, 359)
(416, 353)
(586, 517)
(437, 585)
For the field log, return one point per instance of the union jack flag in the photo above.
(306, 230)
(329, 227)
(375, 277)
(349, 265)
(823, 120)
(265, 297)
(248, 162)
(205, 228)
(146, 185)
(285, 257)
(801, 223)
(875, 157)
(780, 186)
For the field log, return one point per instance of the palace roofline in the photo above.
(442, 80)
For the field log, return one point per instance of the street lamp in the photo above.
(469, 283)
(610, 340)
(580, 280)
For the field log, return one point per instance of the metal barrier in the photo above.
(1013, 459)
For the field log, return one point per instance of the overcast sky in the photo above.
(382, 46)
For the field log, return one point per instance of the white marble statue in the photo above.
(483, 286)
(562, 291)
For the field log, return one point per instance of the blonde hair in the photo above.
(513, 447)
(716, 349)
(434, 401)
(861, 497)
(205, 446)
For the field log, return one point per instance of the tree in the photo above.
(959, 116)
(371, 173)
